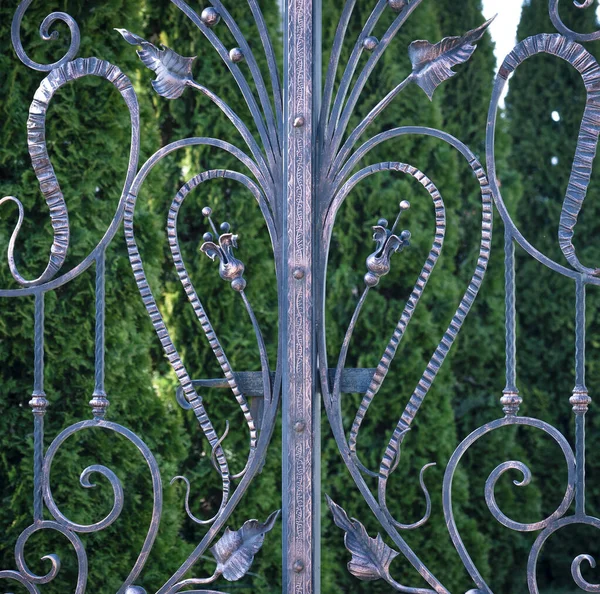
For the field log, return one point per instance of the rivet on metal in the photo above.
(210, 16)
(236, 54)
(370, 43)
(298, 566)
(397, 5)
(298, 273)
(299, 122)
(299, 426)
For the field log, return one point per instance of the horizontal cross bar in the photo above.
(251, 382)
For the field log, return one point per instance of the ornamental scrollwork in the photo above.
(263, 163)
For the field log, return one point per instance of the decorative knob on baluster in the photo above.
(230, 268)
(378, 263)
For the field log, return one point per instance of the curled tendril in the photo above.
(490, 498)
(576, 520)
(84, 479)
(191, 516)
(426, 515)
(17, 577)
(576, 573)
(215, 450)
(33, 578)
(68, 527)
(46, 35)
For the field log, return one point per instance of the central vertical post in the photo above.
(300, 401)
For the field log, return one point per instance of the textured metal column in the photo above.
(300, 403)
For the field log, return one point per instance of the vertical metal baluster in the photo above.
(301, 410)
(38, 404)
(580, 399)
(99, 401)
(511, 401)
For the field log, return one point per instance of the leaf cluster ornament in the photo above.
(173, 72)
(235, 550)
(371, 557)
(432, 64)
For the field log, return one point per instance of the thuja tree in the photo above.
(478, 364)
(88, 135)
(544, 109)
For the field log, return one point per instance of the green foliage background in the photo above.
(88, 132)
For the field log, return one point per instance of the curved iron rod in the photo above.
(262, 349)
(437, 359)
(271, 63)
(191, 292)
(257, 76)
(366, 122)
(587, 143)
(332, 68)
(15, 33)
(239, 78)
(340, 126)
(350, 69)
(455, 460)
(239, 126)
(75, 70)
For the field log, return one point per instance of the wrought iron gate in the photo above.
(300, 172)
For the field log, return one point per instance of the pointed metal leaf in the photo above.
(235, 550)
(173, 71)
(211, 249)
(432, 64)
(371, 557)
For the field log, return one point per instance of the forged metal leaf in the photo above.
(210, 248)
(432, 64)
(173, 71)
(235, 550)
(371, 557)
(380, 235)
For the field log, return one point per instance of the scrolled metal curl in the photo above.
(578, 519)
(576, 573)
(490, 498)
(562, 28)
(46, 35)
(545, 524)
(9, 574)
(71, 528)
(33, 578)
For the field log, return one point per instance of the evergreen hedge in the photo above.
(88, 133)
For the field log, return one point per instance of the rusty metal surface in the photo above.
(300, 169)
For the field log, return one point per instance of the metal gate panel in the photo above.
(300, 170)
